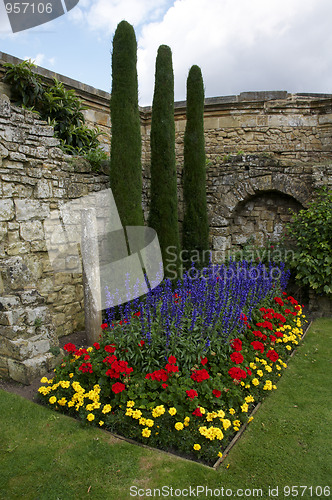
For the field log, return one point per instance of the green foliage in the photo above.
(61, 108)
(195, 221)
(126, 169)
(311, 230)
(163, 215)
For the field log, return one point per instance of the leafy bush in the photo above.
(311, 230)
(61, 108)
(189, 386)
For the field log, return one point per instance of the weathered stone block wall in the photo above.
(36, 304)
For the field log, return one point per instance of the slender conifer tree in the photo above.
(126, 167)
(195, 221)
(163, 215)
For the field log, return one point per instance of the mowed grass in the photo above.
(44, 455)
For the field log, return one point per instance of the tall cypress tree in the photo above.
(126, 167)
(195, 221)
(163, 215)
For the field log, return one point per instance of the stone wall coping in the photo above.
(89, 93)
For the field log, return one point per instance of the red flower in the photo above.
(80, 352)
(279, 301)
(110, 348)
(258, 346)
(171, 368)
(192, 394)
(86, 368)
(292, 300)
(248, 370)
(237, 373)
(257, 333)
(69, 347)
(86, 357)
(200, 375)
(172, 360)
(138, 313)
(237, 358)
(216, 393)
(204, 361)
(164, 386)
(103, 326)
(96, 345)
(266, 324)
(159, 375)
(236, 344)
(272, 338)
(279, 334)
(272, 355)
(141, 343)
(118, 387)
(197, 413)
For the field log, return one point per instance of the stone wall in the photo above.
(266, 153)
(36, 304)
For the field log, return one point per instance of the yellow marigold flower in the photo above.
(158, 411)
(237, 423)
(96, 406)
(268, 369)
(278, 367)
(231, 411)
(62, 401)
(106, 409)
(142, 421)
(197, 447)
(187, 420)
(274, 387)
(247, 386)
(202, 430)
(130, 404)
(242, 383)
(146, 432)
(219, 454)
(202, 410)
(44, 380)
(244, 407)
(52, 400)
(178, 426)
(263, 362)
(221, 413)
(209, 417)
(101, 423)
(288, 347)
(250, 419)
(260, 373)
(71, 375)
(65, 384)
(236, 428)
(129, 412)
(249, 399)
(172, 411)
(226, 423)
(89, 349)
(89, 407)
(268, 385)
(253, 366)
(149, 422)
(70, 404)
(90, 417)
(255, 381)
(55, 386)
(136, 414)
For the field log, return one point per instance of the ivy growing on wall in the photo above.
(61, 108)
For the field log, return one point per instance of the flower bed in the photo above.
(182, 369)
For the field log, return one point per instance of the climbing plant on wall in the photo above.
(163, 215)
(60, 107)
(195, 220)
(126, 167)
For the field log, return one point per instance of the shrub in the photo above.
(163, 215)
(195, 220)
(61, 108)
(311, 230)
(126, 168)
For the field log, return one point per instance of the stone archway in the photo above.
(261, 217)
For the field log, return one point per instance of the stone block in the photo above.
(26, 371)
(30, 209)
(32, 230)
(7, 211)
(3, 230)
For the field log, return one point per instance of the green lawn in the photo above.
(48, 456)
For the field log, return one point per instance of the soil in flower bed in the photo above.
(30, 391)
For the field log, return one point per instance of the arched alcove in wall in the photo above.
(261, 217)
